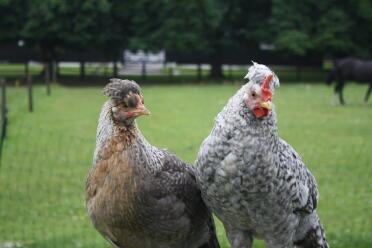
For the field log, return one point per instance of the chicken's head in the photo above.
(126, 100)
(260, 90)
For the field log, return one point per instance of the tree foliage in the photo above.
(209, 27)
(171, 25)
(58, 25)
(12, 19)
(115, 28)
(333, 27)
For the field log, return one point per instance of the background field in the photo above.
(96, 74)
(47, 155)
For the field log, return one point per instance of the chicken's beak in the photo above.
(140, 110)
(267, 105)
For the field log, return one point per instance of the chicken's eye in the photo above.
(253, 94)
(132, 102)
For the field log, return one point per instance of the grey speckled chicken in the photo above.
(139, 196)
(254, 181)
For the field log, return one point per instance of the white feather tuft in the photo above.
(258, 72)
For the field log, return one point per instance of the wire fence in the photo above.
(42, 182)
(81, 73)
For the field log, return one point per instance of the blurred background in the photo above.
(190, 57)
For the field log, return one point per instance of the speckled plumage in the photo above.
(254, 181)
(139, 196)
(118, 89)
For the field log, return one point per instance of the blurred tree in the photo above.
(52, 26)
(115, 30)
(361, 32)
(12, 19)
(234, 24)
(204, 26)
(331, 27)
(84, 25)
(173, 25)
(208, 27)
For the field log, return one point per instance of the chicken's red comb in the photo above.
(266, 82)
(266, 92)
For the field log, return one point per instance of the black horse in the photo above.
(351, 69)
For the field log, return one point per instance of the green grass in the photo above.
(48, 153)
(18, 70)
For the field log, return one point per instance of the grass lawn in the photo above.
(48, 153)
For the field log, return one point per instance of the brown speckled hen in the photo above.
(139, 196)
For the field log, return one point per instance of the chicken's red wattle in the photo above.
(260, 112)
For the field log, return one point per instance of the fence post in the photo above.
(3, 114)
(29, 84)
(3, 100)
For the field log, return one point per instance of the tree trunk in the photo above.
(199, 72)
(47, 76)
(54, 71)
(216, 64)
(115, 69)
(144, 71)
(298, 73)
(216, 70)
(48, 56)
(82, 70)
(58, 71)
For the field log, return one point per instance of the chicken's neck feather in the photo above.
(237, 121)
(130, 138)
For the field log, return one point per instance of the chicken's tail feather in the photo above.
(213, 241)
